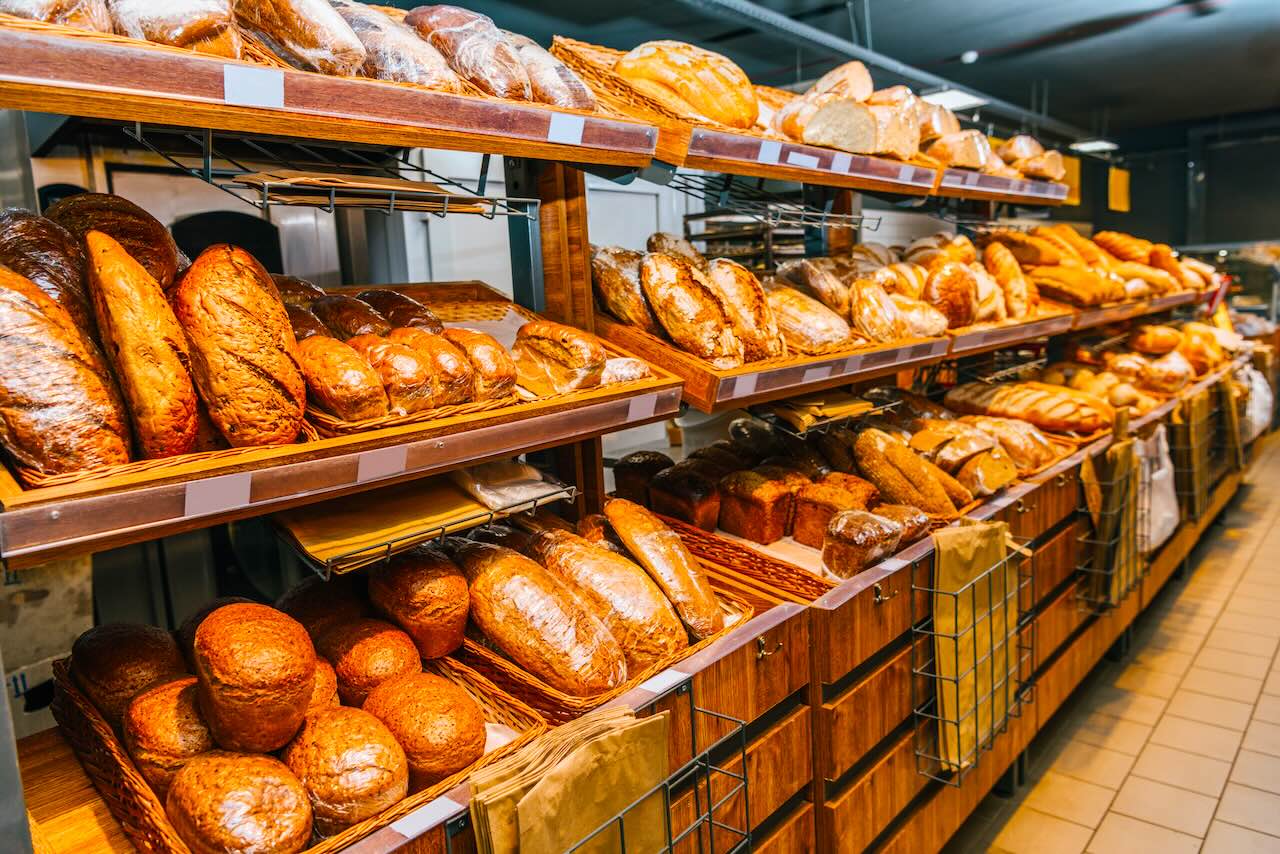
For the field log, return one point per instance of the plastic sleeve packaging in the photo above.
(624, 370)
(1161, 498)
(875, 316)
(475, 49)
(550, 80)
(544, 375)
(83, 14)
(505, 484)
(206, 26)
(1261, 402)
(394, 52)
(309, 34)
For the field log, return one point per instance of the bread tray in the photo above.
(142, 815)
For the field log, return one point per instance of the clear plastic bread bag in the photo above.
(394, 52)
(505, 484)
(475, 49)
(1157, 500)
(82, 14)
(205, 26)
(550, 80)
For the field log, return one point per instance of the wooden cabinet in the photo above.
(1043, 507)
(795, 835)
(852, 819)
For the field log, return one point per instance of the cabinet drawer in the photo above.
(1057, 621)
(1057, 559)
(795, 834)
(1045, 506)
(851, 820)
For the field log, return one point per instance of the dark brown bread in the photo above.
(304, 323)
(364, 653)
(256, 668)
(143, 236)
(324, 691)
(755, 507)
(401, 310)
(632, 473)
(297, 292)
(493, 371)
(816, 503)
(238, 802)
(113, 662)
(318, 604)
(452, 373)
(339, 380)
(350, 764)
(437, 723)
(348, 317)
(425, 593)
(243, 354)
(50, 258)
(186, 634)
(685, 491)
(407, 377)
(163, 729)
(857, 539)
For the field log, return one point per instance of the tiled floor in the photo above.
(1177, 747)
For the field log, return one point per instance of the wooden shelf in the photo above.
(969, 342)
(117, 80)
(967, 184)
(66, 813)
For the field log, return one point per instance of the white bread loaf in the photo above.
(968, 149)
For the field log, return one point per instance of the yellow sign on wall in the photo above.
(1072, 180)
(1118, 189)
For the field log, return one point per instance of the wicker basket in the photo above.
(762, 571)
(142, 815)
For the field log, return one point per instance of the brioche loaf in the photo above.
(113, 662)
(339, 381)
(162, 730)
(710, 83)
(406, 376)
(439, 725)
(424, 593)
(364, 654)
(453, 379)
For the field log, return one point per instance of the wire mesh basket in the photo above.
(1191, 438)
(972, 660)
(1108, 549)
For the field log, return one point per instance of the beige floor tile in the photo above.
(1242, 603)
(1257, 770)
(1069, 798)
(1032, 832)
(1195, 737)
(1226, 838)
(1165, 805)
(1236, 663)
(1265, 626)
(1120, 834)
(1272, 685)
(1196, 608)
(1259, 592)
(1267, 709)
(1167, 661)
(1251, 808)
(1126, 705)
(1263, 737)
(1217, 684)
(1169, 639)
(1143, 680)
(1195, 626)
(1095, 765)
(1112, 733)
(1184, 770)
(1241, 642)
(1230, 714)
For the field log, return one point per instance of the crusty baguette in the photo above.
(1053, 408)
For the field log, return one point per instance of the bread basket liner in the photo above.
(141, 814)
(558, 707)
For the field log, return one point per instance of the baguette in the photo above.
(1053, 408)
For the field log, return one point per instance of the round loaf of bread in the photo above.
(113, 662)
(364, 654)
(239, 802)
(324, 692)
(187, 631)
(163, 729)
(319, 605)
(424, 593)
(256, 668)
(350, 764)
(437, 723)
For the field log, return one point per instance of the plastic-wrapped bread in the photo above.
(1025, 444)
(632, 607)
(707, 81)
(205, 26)
(875, 316)
(747, 306)
(818, 282)
(968, 149)
(615, 275)
(689, 310)
(82, 14)
(987, 473)
(806, 324)
(538, 621)
(339, 380)
(856, 539)
(1019, 147)
(453, 373)
(550, 80)
(664, 556)
(1004, 268)
(897, 130)
(475, 49)
(850, 80)
(996, 166)
(952, 288)
(552, 358)
(673, 244)
(919, 319)
(140, 234)
(394, 52)
(1048, 165)
(407, 377)
(308, 34)
(624, 369)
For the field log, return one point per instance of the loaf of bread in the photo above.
(552, 358)
(936, 121)
(297, 292)
(949, 444)
(550, 80)
(318, 604)
(818, 280)
(952, 288)
(304, 323)
(967, 149)
(1026, 446)
(897, 130)
(686, 491)
(620, 593)
(849, 80)
(138, 232)
(755, 507)
(903, 278)
(1170, 373)
(715, 87)
(673, 244)
(407, 377)
(364, 653)
(113, 662)
(351, 766)
(1051, 408)
(1125, 247)
(632, 473)
(830, 119)
(747, 307)
(244, 357)
(1028, 249)
(1019, 147)
(1077, 285)
(1004, 268)
(163, 729)
(836, 447)
(815, 504)
(1156, 340)
(425, 593)
(689, 310)
(1201, 348)
(308, 34)
(987, 473)
(1047, 165)
(807, 325)
(856, 539)
(493, 373)
(394, 52)
(81, 14)
(1162, 258)
(615, 275)
(536, 619)
(453, 379)
(399, 310)
(339, 380)
(186, 634)
(864, 492)
(204, 26)
(256, 668)
(875, 316)
(348, 317)
(48, 256)
(475, 48)
(595, 529)
(147, 347)
(439, 725)
(914, 521)
(324, 690)
(919, 319)
(900, 475)
(224, 801)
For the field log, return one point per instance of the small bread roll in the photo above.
(113, 662)
(366, 652)
(239, 802)
(163, 729)
(437, 723)
(424, 593)
(324, 692)
(319, 605)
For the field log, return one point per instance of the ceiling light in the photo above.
(969, 57)
(956, 100)
(1093, 146)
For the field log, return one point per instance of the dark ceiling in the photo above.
(1118, 64)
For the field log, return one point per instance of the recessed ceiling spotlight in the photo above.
(956, 100)
(969, 57)
(1092, 146)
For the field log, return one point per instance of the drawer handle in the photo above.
(763, 651)
(1024, 507)
(879, 594)
(1063, 480)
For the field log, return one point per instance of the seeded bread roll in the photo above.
(238, 802)
(424, 593)
(365, 653)
(437, 723)
(163, 729)
(113, 662)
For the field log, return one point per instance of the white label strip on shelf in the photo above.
(384, 462)
(217, 494)
(664, 681)
(818, 372)
(770, 151)
(804, 161)
(426, 817)
(642, 407)
(906, 174)
(740, 386)
(566, 129)
(841, 161)
(852, 365)
(246, 86)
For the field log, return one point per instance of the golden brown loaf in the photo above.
(186, 634)
(864, 492)
(550, 80)
(324, 691)
(493, 373)
(201, 26)
(807, 325)
(755, 507)
(1028, 249)
(815, 278)
(395, 52)
(1156, 340)
(407, 377)
(57, 414)
(141, 235)
(48, 256)
(664, 556)
(687, 491)
(815, 504)
(425, 593)
(309, 34)
(350, 764)
(113, 662)
(243, 354)
(832, 120)
(672, 244)
(453, 378)
(1124, 246)
(348, 317)
(318, 604)
(747, 307)
(538, 621)
(401, 310)
(935, 121)
(1162, 258)
(987, 473)
(304, 323)
(615, 273)
(295, 291)
(1047, 165)
(897, 130)
(875, 316)
(1004, 268)
(626, 599)
(952, 288)
(1027, 447)
(256, 668)
(849, 80)
(1161, 281)
(339, 381)
(475, 49)
(714, 86)
(1019, 147)
(689, 310)
(146, 346)
(163, 729)
(365, 653)
(1170, 373)
(1051, 408)
(968, 149)
(552, 358)
(857, 539)
(902, 278)
(238, 802)
(920, 319)
(437, 723)
(1077, 285)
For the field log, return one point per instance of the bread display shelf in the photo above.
(56, 69)
(967, 342)
(967, 184)
(1088, 318)
(1170, 301)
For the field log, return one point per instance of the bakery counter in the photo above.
(967, 184)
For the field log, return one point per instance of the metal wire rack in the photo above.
(222, 159)
(734, 194)
(822, 425)
(972, 661)
(1107, 551)
(1191, 439)
(1000, 366)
